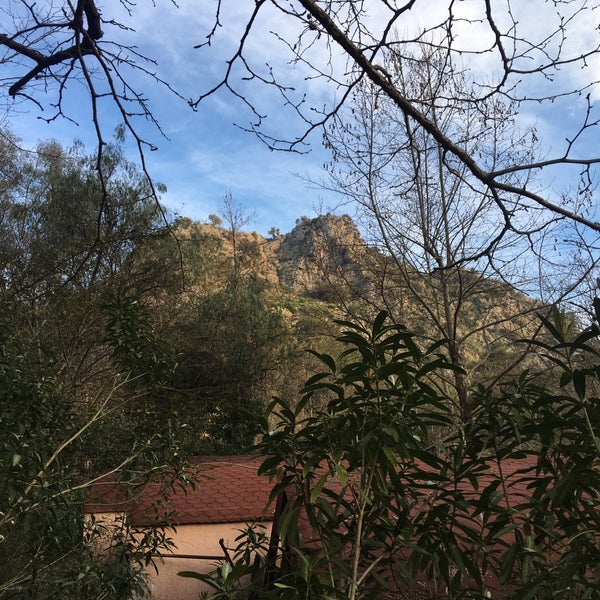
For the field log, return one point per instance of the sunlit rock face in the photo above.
(320, 254)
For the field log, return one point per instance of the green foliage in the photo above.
(61, 227)
(345, 466)
(227, 355)
(555, 551)
(34, 519)
(377, 499)
(75, 368)
(134, 346)
(46, 545)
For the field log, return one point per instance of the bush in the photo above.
(383, 489)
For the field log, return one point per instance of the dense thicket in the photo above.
(111, 365)
(74, 379)
(373, 499)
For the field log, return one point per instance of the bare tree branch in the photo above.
(340, 43)
(408, 108)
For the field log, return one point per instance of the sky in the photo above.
(205, 156)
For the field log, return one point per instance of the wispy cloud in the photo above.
(206, 156)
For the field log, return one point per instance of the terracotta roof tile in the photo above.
(226, 490)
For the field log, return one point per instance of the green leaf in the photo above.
(565, 378)
(269, 465)
(342, 473)
(317, 378)
(326, 359)
(433, 460)
(556, 334)
(225, 570)
(390, 455)
(378, 323)
(193, 575)
(316, 491)
(579, 383)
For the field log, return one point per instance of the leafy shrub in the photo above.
(376, 498)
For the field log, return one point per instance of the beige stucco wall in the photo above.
(198, 540)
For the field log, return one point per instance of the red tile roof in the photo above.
(229, 489)
(226, 490)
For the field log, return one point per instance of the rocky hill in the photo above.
(325, 260)
(307, 260)
(320, 253)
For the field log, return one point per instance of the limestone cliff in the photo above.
(320, 254)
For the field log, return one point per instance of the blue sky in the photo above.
(206, 155)
(205, 158)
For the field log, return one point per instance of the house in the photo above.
(227, 494)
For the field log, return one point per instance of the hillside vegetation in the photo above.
(322, 271)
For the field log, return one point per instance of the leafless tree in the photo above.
(48, 46)
(236, 218)
(530, 54)
(428, 214)
(515, 58)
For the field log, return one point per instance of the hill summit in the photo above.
(316, 255)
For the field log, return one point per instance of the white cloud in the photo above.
(218, 162)
(207, 156)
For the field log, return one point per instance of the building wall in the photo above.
(193, 541)
(196, 540)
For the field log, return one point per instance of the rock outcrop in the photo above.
(320, 254)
